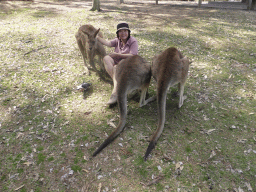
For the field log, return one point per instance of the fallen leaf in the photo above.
(240, 190)
(206, 118)
(19, 135)
(120, 144)
(111, 124)
(212, 154)
(241, 140)
(156, 180)
(99, 187)
(223, 108)
(28, 163)
(179, 167)
(248, 185)
(233, 127)
(192, 141)
(167, 157)
(159, 168)
(85, 170)
(66, 123)
(126, 152)
(210, 131)
(36, 176)
(87, 113)
(48, 111)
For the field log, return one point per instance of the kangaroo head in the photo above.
(91, 43)
(91, 39)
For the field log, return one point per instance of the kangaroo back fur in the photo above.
(168, 69)
(90, 46)
(131, 73)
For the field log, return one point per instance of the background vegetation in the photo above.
(48, 130)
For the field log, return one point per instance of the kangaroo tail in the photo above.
(151, 146)
(103, 145)
(122, 103)
(161, 102)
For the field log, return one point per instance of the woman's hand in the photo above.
(115, 55)
(103, 41)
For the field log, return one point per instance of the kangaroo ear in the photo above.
(85, 32)
(189, 60)
(185, 60)
(95, 34)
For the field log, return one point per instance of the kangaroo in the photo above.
(168, 69)
(90, 46)
(130, 74)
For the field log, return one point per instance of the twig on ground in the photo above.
(35, 50)
(156, 180)
(19, 188)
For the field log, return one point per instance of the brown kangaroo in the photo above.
(90, 46)
(168, 69)
(130, 74)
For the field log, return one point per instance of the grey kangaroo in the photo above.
(130, 74)
(90, 46)
(168, 69)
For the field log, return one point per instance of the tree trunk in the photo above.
(249, 5)
(95, 5)
(199, 3)
(120, 1)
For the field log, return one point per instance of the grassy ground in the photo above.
(48, 130)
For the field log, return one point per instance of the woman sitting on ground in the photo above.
(125, 46)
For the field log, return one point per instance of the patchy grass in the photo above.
(48, 130)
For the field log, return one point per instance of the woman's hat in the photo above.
(122, 26)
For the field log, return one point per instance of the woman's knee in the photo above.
(108, 59)
(105, 57)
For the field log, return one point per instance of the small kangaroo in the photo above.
(90, 46)
(130, 74)
(168, 69)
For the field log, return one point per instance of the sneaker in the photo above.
(112, 100)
